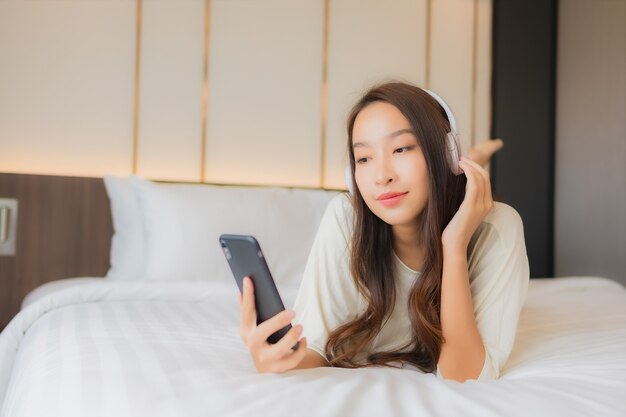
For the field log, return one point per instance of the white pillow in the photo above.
(127, 244)
(182, 224)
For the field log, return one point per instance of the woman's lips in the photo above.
(390, 199)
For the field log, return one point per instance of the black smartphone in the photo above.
(245, 258)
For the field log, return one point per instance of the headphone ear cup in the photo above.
(453, 150)
(348, 176)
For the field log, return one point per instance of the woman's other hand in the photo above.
(475, 206)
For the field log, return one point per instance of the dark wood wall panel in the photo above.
(64, 230)
(523, 114)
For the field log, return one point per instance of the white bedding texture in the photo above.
(111, 348)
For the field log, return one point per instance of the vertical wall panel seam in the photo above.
(489, 86)
(472, 138)
(205, 89)
(324, 95)
(428, 30)
(136, 86)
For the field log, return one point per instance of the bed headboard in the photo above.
(64, 230)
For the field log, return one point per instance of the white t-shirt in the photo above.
(498, 273)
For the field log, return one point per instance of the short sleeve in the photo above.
(327, 296)
(499, 278)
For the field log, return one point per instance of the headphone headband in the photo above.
(453, 137)
(446, 108)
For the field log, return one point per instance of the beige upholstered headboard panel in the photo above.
(225, 91)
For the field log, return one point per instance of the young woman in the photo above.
(418, 267)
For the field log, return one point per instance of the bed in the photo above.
(160, 337)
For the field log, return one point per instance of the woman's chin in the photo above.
(395, 217)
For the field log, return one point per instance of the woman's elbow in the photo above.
(462, 368)
(460, 375)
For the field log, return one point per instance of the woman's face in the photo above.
(391, 171)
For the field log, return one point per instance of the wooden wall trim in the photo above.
(64, 231)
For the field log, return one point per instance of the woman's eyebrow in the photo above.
(389, 136)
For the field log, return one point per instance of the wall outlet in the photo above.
(8, 226)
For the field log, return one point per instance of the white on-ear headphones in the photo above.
(453, 136)
(452, 140)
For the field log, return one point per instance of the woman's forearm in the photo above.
(462, 353)
(312, 359)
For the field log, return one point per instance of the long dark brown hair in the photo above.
(371, 258)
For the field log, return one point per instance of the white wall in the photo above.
(246, 91)
(590, 201)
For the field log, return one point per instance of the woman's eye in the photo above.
(404, 149)
(361, 160)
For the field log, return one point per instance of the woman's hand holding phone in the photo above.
(278, 357)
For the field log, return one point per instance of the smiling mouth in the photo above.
(391, 199)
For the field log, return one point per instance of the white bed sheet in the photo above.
(119, 349)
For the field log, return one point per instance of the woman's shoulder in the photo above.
(503, 223)
(503, 216)
(340, 208)
(341, 203)
(337, 218)
(498, 249)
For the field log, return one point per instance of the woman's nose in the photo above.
(384, 174)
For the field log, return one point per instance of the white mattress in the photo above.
(102, 348)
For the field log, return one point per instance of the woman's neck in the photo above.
(407, 245)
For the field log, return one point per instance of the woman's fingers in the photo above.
(487, 198)
(288, 361)
(280, 356)
(269, 358)
(473, 191)
(248, 313)
(479, 169)
(293, 359)
(271, 326)
(483, 183)
(284, 345)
